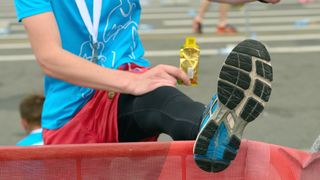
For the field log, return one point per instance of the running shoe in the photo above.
(244, 88)
(196, 26)
(226, 30)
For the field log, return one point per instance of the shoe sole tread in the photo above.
(244, 87)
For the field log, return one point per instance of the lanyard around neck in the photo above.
(92, 27)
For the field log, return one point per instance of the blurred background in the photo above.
(290, 30)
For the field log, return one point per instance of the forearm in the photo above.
(63, 65)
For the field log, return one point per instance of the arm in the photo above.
(56, 62)
(244, 1)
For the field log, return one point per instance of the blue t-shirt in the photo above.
(34, 138)
(118, 43)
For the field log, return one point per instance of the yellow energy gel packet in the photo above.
(189, 59)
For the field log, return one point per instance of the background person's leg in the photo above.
(197, 21)
(164, 110)
(223, 14)
(222, 26)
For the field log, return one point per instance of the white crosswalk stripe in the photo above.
(173, 53)
(202, 40)
(253, 21)
(283, 29)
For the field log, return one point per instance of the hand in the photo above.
(161, 75)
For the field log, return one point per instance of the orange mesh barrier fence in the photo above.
(154, 160)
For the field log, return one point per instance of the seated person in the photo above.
(30, 113)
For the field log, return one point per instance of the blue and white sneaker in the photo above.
(244, 87)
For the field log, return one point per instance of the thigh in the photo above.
(134, 109)
(140, 117)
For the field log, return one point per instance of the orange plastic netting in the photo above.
(159, 160)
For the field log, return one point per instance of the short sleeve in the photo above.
(26, 8)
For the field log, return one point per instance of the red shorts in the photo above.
(96, 122)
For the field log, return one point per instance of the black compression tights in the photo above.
(164, 110)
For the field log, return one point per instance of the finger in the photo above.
(168, 77)
(184, 77)
(158, 73)
(177, 73)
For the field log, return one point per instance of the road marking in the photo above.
(189, 12)
(166, 9)
(267, 28)
(274, 28)
(308, 20)
(10, 20)
(191, 9)
(17, 58)
(6, 9)
(171, 53)
(241, 20)
(265, 38)
(207, 52)
(208, 40)
(253, 20)
(13, 36)
(15, 46)
(250, 6)
(266, 13)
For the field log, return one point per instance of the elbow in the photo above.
(46, 63)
